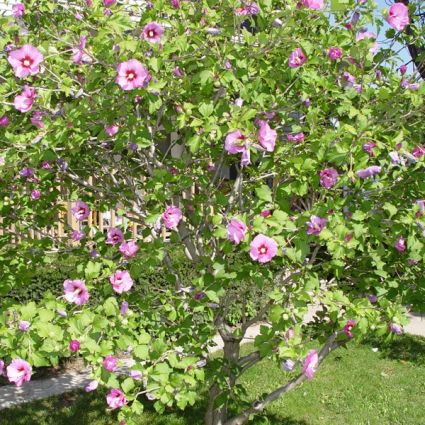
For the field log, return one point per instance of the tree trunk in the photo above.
(218, 415)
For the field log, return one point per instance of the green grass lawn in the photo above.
(354, 387)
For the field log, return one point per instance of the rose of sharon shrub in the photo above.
(193, 170)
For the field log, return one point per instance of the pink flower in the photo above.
(369, 171)
(396, 329)
(177, 72)
(24, 326)
(136, 374)
(4, 121)
(129, 249)
(348, 328)
(418, 151)
(80, 210)
(235, 142)
(114, 236)
(1, 367)
(152, 32)
(310, 364)
(265, 213)
(263, 249)
(76, 291)
(35, 194)
(108, 3)
(267, 136)
(18, 10)
(403, 68)
(77, 235)
(74, 345)
(248, 9)
(172, 216)
(398, 16)
(91, 386)
(23, 102)
(335, 53)
(361, 35)
(121, 281)
(112, 130)
(368, 146)
(296, 137)
(400, 244)
(175, 4)
(25, 61)
(116, 399)
(36, 119)
(315, 225)
(313, 4)
(297, 58)
(236, 230)
(132, 75)
(19, 371)
(110, 363)
(79, 56)
(328, 177)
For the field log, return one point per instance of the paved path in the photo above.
(11, 395)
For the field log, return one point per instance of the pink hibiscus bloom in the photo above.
(310, 364)
(37, 119)
(400, 244)
(110, 363)
(114, 236)
(398, 16)
(76, 291)
(349, 327)
(77, 235)
(121, 281)
(25, 61)
(129, 249)
(18, 372)
(335, 53)
(249, 9)
(112, 130)
(172, 216)
(315, 225)
(263, 249)
(267, 136)
(361, 35)
(313, 4)
(328, 177)
(74, 345)
(236, 230)
(4, 121)
(79, 56)
(153, 32)
(296, 137)
(23, 102)
(80, 210)
(369, 171)
(132, 75)
(35, 194)
(91, 386)
(235, 142)
(18, 10)
(297, 58)
(1, 367)
(116, 399)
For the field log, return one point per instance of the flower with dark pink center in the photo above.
(398, 16)
(315, 225)
(171, 217)
(80, 210)
(328, 177)
(297, 58)
(153, 32)
(132, 75)
(18, 372)
(114, 236)
(263, 249)
(76, 291)
(121, 281)
(25, 61)
(116, 399)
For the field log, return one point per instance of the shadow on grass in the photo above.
(406, 348)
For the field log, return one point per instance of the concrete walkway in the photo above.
(11, 395)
